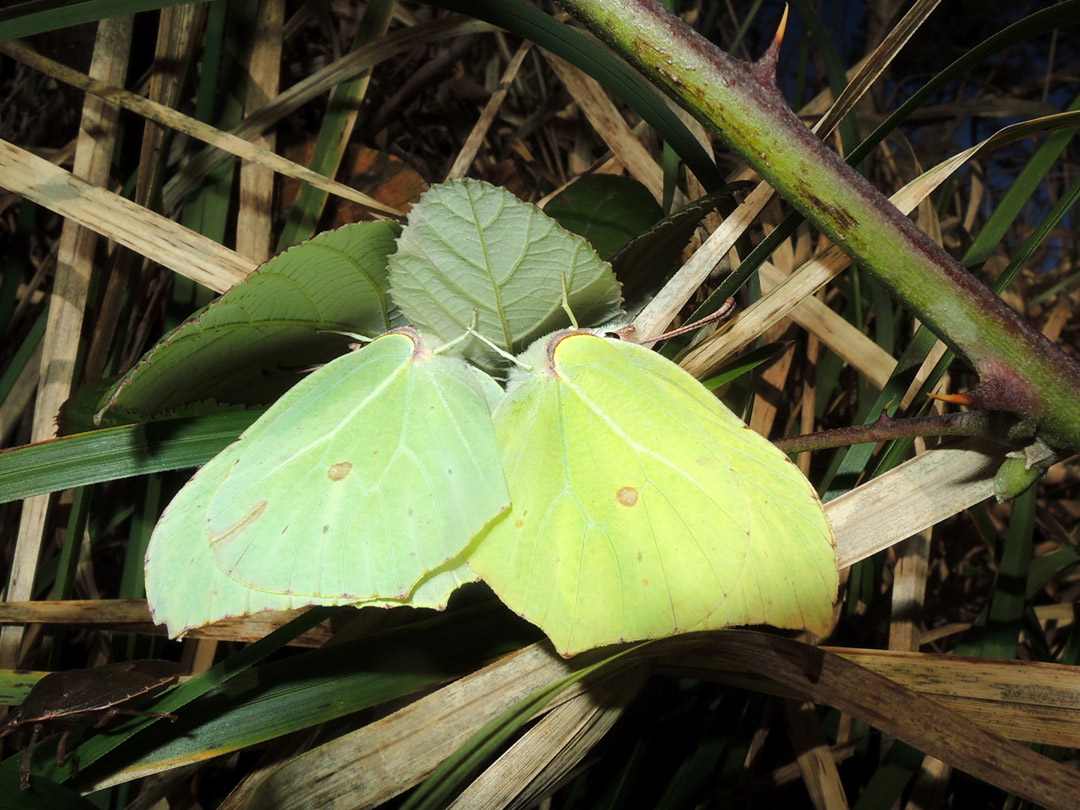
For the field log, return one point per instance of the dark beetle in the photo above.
(64, 701)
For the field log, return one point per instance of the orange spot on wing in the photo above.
(339, 471)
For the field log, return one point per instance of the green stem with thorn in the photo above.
(1019, 370)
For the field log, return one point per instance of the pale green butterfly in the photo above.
(362, 484)
(642, 507)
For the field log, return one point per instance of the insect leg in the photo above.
(28, 751)
(62, 754)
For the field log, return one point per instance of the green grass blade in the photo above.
(23, 355)
(1063, 14)
(1000, 636)
(299, 692)
(1022, 186)
(120, 452)
(28, 19)
(100, 745)
(334, 132)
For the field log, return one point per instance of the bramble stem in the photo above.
(973, 423)
(1019, 370)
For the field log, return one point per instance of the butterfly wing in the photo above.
(642, 506)
(351, 488)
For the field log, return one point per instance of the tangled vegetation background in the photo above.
(959, 641)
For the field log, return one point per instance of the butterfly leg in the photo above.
(28, 752)
(62, 754)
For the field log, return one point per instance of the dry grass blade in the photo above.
(149, 234)
(379, 761)
(177, 38)
(168, 117)
(824, 677)
(870, 68)
(942, 482)
(20, 396)
(255, 217)
(815, 760)
(1021, 700)
(766, 407)
(476, 137)
(663, 308)
(764, 313)
(610, 125)
(665, 305)
(891, 691)
(76, 611)
(348, 67)
(74, 268)
(133, 615)
(543, 756)
(909, 592)
(1026, 701)
(1029, 701)
(832, 329)
(768, 310)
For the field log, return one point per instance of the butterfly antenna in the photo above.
(566, 300)
(358, 339)
(471, 330)
(720, 314)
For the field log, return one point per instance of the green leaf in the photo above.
(655, 253)
(997, 633)
(362, 484)
(253, 343)
(606, 209)
(642, 507)
(472, 249)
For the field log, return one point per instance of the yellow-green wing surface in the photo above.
(359, 485)
(642, 507)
